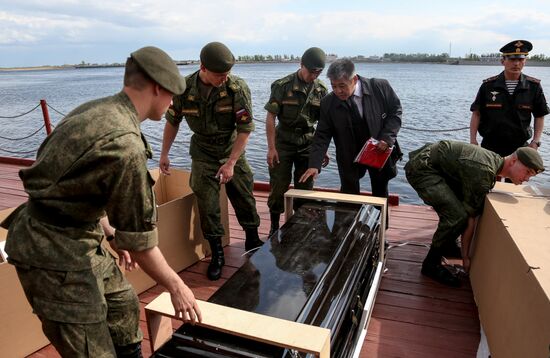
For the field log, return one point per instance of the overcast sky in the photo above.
(56, 32)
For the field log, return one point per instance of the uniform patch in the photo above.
(525, 106)
(292, 102)
(190, 112)
(224, 109)
(242, 116)
(494, 105)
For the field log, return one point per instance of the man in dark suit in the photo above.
(357, 109)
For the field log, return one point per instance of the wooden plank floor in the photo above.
(413, 316)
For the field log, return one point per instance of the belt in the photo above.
(42, 213)
(225, 139)
(297, 130)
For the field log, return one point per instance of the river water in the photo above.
(434, 97)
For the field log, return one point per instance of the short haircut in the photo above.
(342, 68)
(134, 76)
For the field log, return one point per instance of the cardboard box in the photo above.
(510, 272)
(180, 235)
(20, 330)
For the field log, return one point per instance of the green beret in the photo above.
(160, 67)
(314, 59)
(530, 158)
(216, 57)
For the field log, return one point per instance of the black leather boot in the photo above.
(217, 261)
(433, 268)
(275, 217)
(252, 239)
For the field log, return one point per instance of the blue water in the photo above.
(433, 97)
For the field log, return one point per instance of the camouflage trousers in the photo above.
(280, 177)
(84, 313)
(436, 192)
(206, 188)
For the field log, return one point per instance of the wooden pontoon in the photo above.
(413, 316)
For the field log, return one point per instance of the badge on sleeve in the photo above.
(243, 116)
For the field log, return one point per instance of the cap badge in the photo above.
(518, 45)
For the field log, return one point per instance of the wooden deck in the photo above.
(413, 316)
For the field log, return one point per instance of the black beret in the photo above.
(216, 57)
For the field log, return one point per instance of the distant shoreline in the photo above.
(193, 62)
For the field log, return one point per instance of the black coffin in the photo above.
(317, 269)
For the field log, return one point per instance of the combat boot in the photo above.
(275, 217)
(217, 260)
(252, 239)
(132, 350)
(433, 268)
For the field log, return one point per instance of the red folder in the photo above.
(370, 156)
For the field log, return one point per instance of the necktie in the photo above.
(355, 114)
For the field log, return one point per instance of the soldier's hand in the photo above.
(125, 260)
(326, 160)
(473, 141)
(466, 264)
(308, 173)
(272, 157)
(164, 164)
(225, 173)
(185, 305)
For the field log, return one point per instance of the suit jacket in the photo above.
(381, 111)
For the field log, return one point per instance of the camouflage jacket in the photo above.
(94, 163)
(295, 102)
(215, 121)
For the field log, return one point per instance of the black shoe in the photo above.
(439, 273)
(452, 251)
(252, 240)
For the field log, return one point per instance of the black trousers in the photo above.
(351, 173)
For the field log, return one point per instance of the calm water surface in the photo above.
(432, 96)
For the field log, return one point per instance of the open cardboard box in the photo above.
(180, 236)
(510, 272)
(20, 330)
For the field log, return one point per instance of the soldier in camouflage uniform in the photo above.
(217, 108)
(454, 178)
(93, 164)
(295, 101)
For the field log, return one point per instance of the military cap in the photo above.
(530, 158)
(516, 49)
(160, 67)
(314, 59)
(216, 57)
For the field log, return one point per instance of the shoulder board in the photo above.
(321, 84)
(532, 79)
(493, 78)
(284, 80)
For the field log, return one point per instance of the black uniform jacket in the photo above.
(381, 111)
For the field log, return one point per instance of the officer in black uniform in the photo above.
(502, 110)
